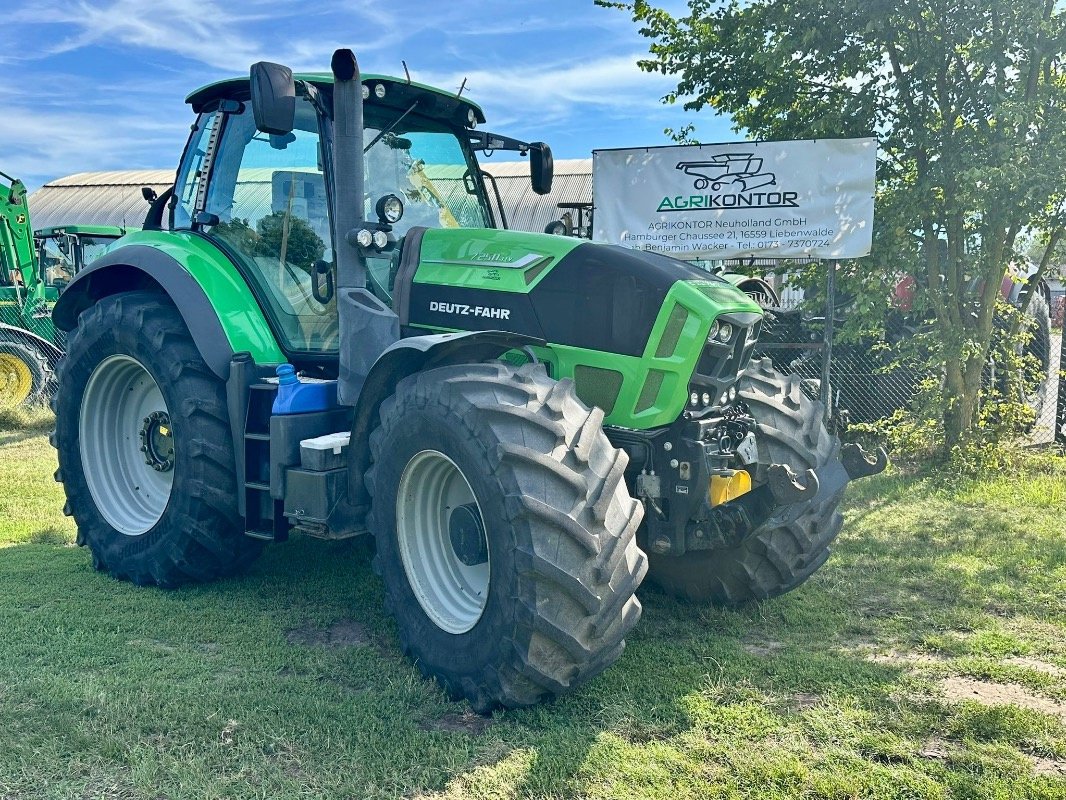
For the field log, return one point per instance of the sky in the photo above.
(100, 84)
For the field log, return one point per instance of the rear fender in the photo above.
(222, 320)
(757, 289)
(406, 357)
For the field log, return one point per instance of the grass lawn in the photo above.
(926, 660)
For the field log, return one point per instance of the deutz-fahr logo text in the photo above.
(735, 179)
(469, 311)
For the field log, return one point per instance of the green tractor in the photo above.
(320, 331)
(35, 266)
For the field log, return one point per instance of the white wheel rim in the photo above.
(120, 399)
(451, 592)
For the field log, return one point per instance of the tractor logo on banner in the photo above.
(739, 171)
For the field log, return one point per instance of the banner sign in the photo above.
(799, 199)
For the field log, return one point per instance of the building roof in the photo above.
(96, 198)
(114, 198)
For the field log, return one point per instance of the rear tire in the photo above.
(544, 594)
(773, 560)
(23, 374)
(165, 526)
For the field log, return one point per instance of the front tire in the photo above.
(505, 532)
(774, 559)
(145, 450)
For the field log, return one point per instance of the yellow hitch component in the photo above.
(724, 488)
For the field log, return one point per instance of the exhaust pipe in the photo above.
(349, 196)
(367, 327)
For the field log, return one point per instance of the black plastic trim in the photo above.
(405, 275)
(111, 274)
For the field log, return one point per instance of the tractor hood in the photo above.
(563, 290)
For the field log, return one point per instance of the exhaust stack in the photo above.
(366, 325)
(348, 167)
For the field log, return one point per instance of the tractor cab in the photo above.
(265, 199)
(63, 250)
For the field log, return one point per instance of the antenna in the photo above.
(463, 86)
(406, 71)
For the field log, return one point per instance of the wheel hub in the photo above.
(442, 540)
(157, 441)
(15, 380)
(467, 535)
(126, 443)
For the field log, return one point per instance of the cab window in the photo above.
(268, 194)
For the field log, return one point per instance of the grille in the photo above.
(721, 362)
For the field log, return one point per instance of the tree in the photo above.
(966, 98)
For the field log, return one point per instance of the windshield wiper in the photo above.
(391, 127)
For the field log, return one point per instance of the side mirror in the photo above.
(273, 98)
(541, 167)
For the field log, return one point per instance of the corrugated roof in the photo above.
(96, 198)
(114, 198)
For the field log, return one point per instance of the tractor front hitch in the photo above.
(786, 487)
(860, 464)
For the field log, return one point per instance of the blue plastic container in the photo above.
(296, 396)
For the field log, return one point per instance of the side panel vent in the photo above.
(672, 334)
(650, 393)
(598, 387)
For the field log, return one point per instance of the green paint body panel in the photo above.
(483, 258)
(243, 321)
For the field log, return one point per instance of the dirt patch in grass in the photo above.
(342, 633)
(938, 749)
(905, 658)
(998, 694)
(804, 700)
(763, 648)
(1049, 766)
(468, 722)
(1036, 665)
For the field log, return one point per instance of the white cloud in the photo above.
(613, 84)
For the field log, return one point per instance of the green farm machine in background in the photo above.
(321, 331)
(35, 266)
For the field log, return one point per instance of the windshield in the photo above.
(425, 165)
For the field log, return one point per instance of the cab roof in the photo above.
(86, 230)
(396, 91)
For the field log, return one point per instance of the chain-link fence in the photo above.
(870, 379)
(30, 347)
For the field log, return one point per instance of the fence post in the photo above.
(824, 390)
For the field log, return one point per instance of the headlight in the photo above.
(713, 333)
(390, 209)
(706, 399)
(471, 117)
(364, 238)
(725, 332)
(694, 398)
(379, 91)
(381, 240)
(732, 392)
(366, 92)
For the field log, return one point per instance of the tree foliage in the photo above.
(966, 98)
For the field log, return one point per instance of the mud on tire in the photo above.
(774, 559)
(558, 520)
(199, 535)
